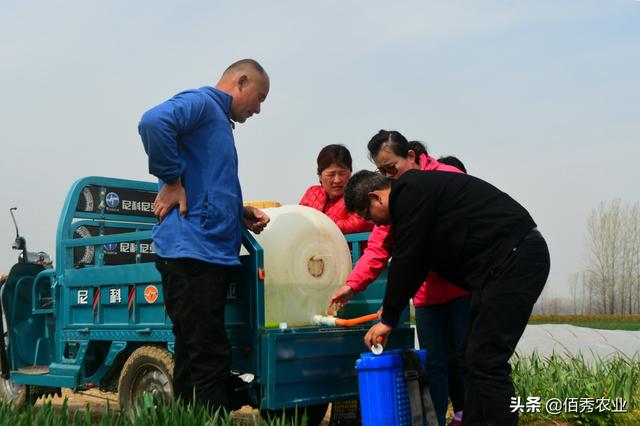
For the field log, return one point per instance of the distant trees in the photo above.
(613, 275)
(610, 284)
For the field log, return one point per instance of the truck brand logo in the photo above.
(110, 246)
(83, 297)
(151, 293)
(141, 206)
(115, 295)
(145, 248)
(112, 199)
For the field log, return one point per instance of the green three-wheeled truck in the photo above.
(96, 318)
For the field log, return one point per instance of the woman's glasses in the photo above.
(388, 169)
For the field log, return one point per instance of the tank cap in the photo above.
(377, 349)
(315, 265)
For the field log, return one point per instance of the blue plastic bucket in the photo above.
(383, 393)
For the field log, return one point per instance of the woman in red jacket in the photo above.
(442, 309)
(334, 171)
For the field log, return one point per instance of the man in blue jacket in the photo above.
(191, 150)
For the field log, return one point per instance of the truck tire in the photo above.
(14, 393)
(315, 414)
(149, 369)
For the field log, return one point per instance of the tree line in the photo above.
(610, 283)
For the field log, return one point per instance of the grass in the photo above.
(606, 322)
(613, 325)
(575, 379)
(544, 378)
(147, 414)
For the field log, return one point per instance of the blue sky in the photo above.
(540, 98)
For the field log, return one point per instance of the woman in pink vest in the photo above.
(442, 309)
(334, 171)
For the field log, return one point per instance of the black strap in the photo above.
(419, 396)
(427, 402)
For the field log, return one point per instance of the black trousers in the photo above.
(456, 384)
(195, 294)
(500, 311)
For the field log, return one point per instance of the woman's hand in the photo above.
(341, 296)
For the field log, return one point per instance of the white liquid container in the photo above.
(306, 259)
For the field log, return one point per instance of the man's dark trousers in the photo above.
(195, 294)
(499, 314)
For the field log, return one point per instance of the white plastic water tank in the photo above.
(306, 259)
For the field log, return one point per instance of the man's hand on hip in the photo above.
(171, 195)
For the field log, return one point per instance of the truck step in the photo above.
(35, 370)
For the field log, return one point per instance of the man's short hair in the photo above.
(243, 64)
(356, 193)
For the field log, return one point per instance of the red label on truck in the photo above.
(151, 293)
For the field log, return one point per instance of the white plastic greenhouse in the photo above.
(569, 340)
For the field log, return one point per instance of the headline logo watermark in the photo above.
(533, 404)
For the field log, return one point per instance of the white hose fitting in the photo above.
(324, 320)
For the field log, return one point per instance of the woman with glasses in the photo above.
(442, 309)
(334, 171)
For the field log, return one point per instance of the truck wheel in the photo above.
(13, 393)
(315, 414)
(149, 369)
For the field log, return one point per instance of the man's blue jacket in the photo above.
(190, 136)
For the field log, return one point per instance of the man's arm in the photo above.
(413, 214)
(159, 129)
